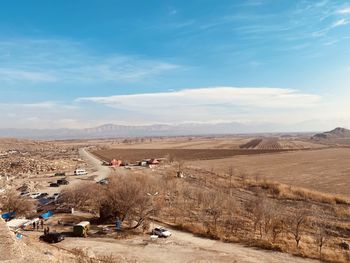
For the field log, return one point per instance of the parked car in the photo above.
(25, 194)
(55, 196)
(62, 182)
(54, 185)
(43, 195)
(60, 174)
(80, 172)
(35, 195)
(161, 232)
(52, 237)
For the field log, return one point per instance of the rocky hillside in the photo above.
(337, 133)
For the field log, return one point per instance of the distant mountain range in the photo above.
(117, 131)
(336, 134)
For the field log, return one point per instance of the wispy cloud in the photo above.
(7, 74)
(340, 22)
(344, 10)
(230, 96)
(42, 115)
(39, 105)
(209, 104)
(62, 61)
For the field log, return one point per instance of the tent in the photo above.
(46, 215)
(8, 215)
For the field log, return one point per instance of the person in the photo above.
(34, 225)
(42, 223)
(37, 226)
(45, 231)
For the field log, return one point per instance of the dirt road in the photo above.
(101, 171)
(180, 247)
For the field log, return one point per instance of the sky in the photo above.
(84, 63)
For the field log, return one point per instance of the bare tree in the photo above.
(278, 225)
(11, 202)
(127, 199)
(296, 221)
(213, 207)
(230, 174)
(233, 221)
(266, 216)
(84, 196)
(320, 227)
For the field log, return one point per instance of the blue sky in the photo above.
(85, 63)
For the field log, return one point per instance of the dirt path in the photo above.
(180, 247)
(101, 171)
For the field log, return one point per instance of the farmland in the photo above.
(325, 170)
(133, 155)
(292, 142)
(294, 161)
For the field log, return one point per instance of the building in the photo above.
(115, 162)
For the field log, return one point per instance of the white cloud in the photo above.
(211, 104)
(340, 22)
(344, 10)
(216, 96)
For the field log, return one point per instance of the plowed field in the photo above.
(133, 155)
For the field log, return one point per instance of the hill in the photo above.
(336, 134)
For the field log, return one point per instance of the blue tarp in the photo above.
(8, 215)
(46, 215)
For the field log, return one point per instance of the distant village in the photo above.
(150, 163)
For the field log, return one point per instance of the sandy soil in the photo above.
(325, 170)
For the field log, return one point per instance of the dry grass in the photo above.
(205, 205)
(325, 170)
(298, 193)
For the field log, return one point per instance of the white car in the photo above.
(161, 232)
(80, 172)
(35, 195)
(55, 196)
